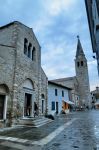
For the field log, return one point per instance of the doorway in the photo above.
(2, 103)
(28, 105)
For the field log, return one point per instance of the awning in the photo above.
(97, 102)
(69, 102)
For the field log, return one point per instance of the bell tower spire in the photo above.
(79, 48)
(82, 75)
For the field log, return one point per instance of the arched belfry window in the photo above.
(34, 54)
(42, 96)
(29, 50)
(25, 46)
(78, 64)
(81, 63)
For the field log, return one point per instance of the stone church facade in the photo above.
(79, 83)
(23, 83)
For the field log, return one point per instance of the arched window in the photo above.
(29, 50)
(25, 46)
(78, 64)
(81, 63)
(34, 54)
(42, 96)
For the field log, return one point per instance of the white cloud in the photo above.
(54, 7)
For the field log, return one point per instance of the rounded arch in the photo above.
(42, 96)
(28, 83)
(4, 89)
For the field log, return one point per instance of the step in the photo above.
(35, 122)
(41, 121)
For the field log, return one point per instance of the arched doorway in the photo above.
(29, 98)
(3, 101)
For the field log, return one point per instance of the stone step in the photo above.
(42, 122)
(35, 122)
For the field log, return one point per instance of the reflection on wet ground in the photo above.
(83, 134)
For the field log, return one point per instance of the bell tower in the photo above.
(82, 76)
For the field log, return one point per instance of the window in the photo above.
(31, 53)
(25, 46)
(62, 93)
(55, 92)
(42, 96)
(53, 105)
(78, 64)
(34, 54)
(29, 50)
(81, 63)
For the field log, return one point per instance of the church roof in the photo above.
(60, 85)
(79, 48)
(63, 79)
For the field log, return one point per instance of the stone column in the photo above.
(14, 104)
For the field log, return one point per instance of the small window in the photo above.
(53, 105)
(62, 93)
(42, 96)
(78, 64)
(34, 54)
(29, 50)
(81, 63)
(55, 92)
(25, 46)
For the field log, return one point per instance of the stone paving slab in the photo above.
(31, 133)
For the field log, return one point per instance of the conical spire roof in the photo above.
(79, 48)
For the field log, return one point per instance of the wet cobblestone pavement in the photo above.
(31, 133)
(81, 134)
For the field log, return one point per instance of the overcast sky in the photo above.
(56, 23)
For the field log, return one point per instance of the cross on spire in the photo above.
(77, 36)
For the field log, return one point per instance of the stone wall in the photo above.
(16, 67)
(44, 89)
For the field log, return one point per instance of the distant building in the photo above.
(23, 83)
(59, 98)
(80, 83)
(92, 7)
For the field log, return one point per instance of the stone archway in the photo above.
(29, 98)
(4, 91)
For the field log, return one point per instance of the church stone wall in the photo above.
(26, 68)
(16, 67)
(44, 89)
(7, 56)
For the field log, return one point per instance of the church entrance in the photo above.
(28, 105)
(2, 102)
(29, 98)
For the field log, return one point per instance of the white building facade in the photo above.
(59, 98)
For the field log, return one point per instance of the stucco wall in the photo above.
(58, 98)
